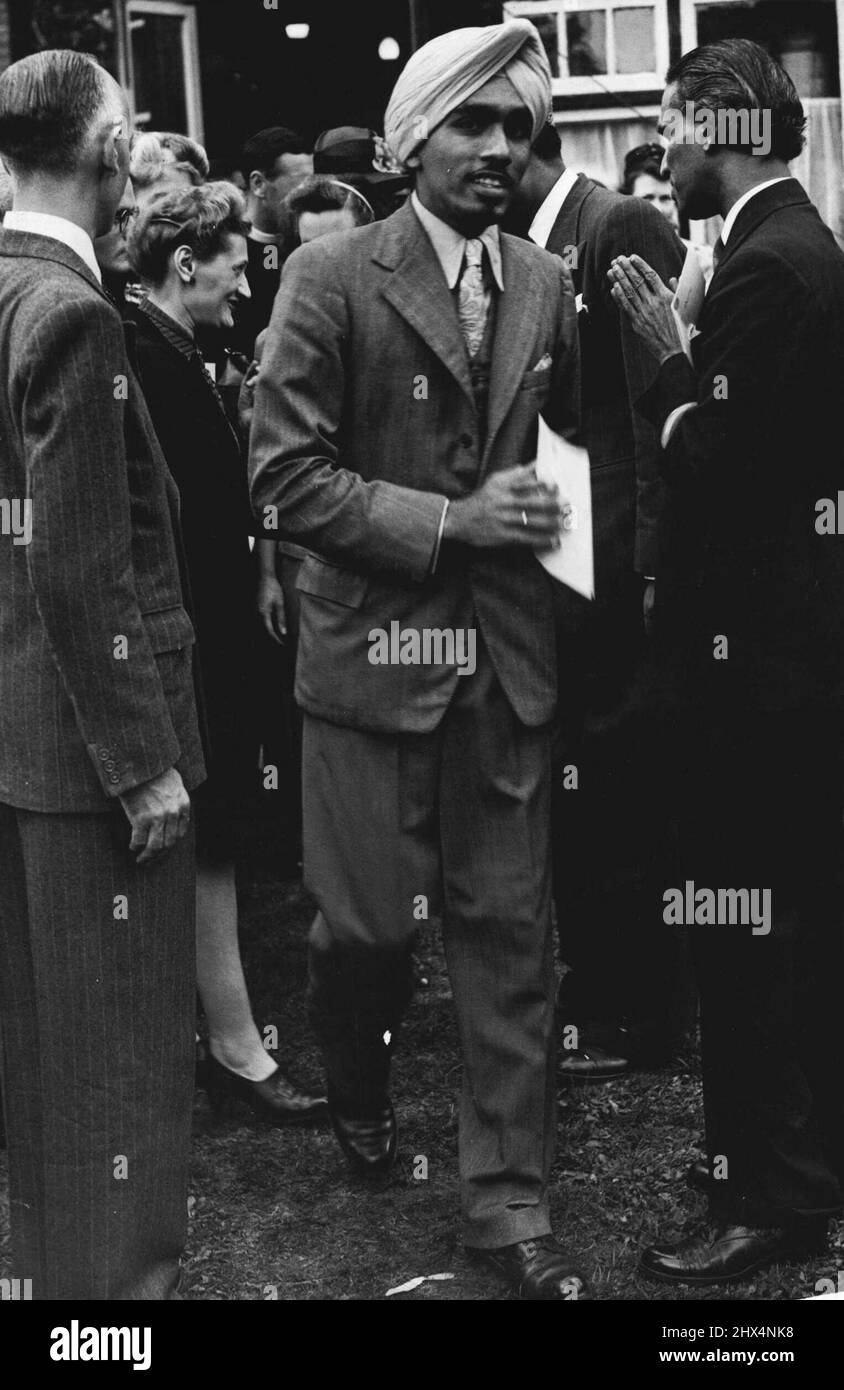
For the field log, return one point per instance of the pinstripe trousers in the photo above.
(97, 1008)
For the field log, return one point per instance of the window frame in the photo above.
(190, 58)
(602, 82)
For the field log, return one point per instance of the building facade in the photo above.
(220, 69)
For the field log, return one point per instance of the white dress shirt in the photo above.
(549, 210)
(450, 245)
(59, 229)
(729, 223)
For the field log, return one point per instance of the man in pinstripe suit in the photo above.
(98, 739)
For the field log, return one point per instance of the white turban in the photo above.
(447, 71)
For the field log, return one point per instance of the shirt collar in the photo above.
(549, 210)
(58, 229)
(450, 245)
(729, 220)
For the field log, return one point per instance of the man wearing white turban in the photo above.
(394, 431)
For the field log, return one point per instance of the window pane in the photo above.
(587, 40)
(547, 26)
(159, 71)
(801, 34)
(635, 46)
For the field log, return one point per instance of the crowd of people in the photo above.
(258, 416)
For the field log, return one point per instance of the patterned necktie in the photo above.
(473, 298)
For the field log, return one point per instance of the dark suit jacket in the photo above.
(204, 457)
(746, 467)
(616, 369)
(364, 422)
(79, 725)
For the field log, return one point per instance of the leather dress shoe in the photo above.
(537, 1269)
(591, 1064)
(369, 1142)
(721, 1253)
(276, 1100)
(698, 1176)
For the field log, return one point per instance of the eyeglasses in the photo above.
(123, 219)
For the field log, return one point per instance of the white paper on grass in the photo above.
(688, 299)
(567, 465)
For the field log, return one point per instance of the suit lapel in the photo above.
(517, 316)
(567, 232)
(788, 193)
(417, 289)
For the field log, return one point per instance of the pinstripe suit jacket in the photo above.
(365, 421)
(84, 715)
(616, 370)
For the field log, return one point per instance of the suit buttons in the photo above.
(102, 754)
(113, 777)
(466, 441)
(109, 765)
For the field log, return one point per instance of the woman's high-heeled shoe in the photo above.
(276, 1100)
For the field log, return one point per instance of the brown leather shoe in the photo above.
(536, 1269)
(720, 1253)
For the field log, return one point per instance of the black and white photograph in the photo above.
(422, 669)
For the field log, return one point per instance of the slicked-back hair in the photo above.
(201, 218)
(48, 105)
(739, 75)
(262, 150)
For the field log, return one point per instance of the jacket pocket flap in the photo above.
(324, 580)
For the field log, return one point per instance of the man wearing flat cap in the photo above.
(394, 433)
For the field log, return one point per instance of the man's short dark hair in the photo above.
(262, 150)
(547, 145)
(739, 75)
(48, 104)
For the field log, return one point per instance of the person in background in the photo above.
(643, 178)
(189, 248)
(320, 205)
(99, 745)
(274, 161)
(609, 836)
(161, 159)
(360, 157)
(110, 250)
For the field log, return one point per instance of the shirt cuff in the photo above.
(436, 555)
(671, 422)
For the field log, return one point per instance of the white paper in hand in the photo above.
(567, 466)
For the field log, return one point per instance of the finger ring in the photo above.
(524, 518)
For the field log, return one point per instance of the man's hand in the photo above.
(159, 814)
(512, 508)
(639, 292)
(271, 606)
